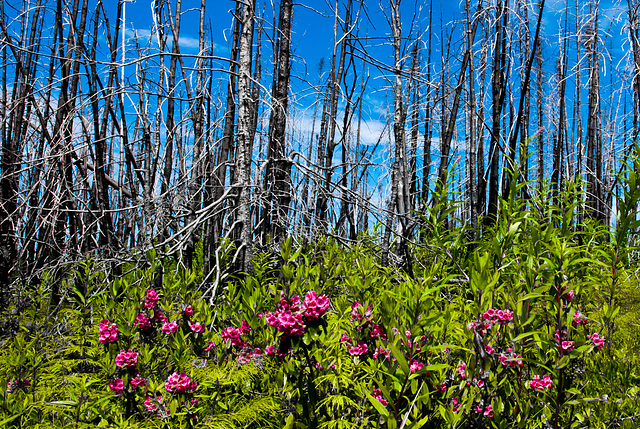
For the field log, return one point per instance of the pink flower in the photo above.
(196, 327)
(318, 365)
(597, 340)
(540, 384)
(579, 319)
(170, 327)
(188, 310)
(233, 335)
(142, 322)
(137, 381)
(455, 404)
(314, 306)
(416, 366)
(567, 345)
(381, 351)
(270, 351)
(461, 370)
(150, 404)
(179, 383)
(159, 316)
(377, 394)
(569, 295)
(117, 386)
(244, 327)
(478, 409)
(488, 411)
(151, 298)
(108, 332)
(127, 358)
(345, 339)
(290, 324)
(210, 346)
(513, 360)
(488, 349)
(358, 350)
(442, 387)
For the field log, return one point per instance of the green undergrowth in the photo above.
(533, 325)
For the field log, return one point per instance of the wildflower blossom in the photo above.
(188, 310)
(151, 298)
(378, 332)
(381, 351)
(127, 358)
(137, 381)
(160, 317)
(179, 383)
(358, 350)
(416, 366)
(579, 319)
(210, 346)
(314, 306)
(150, 403)
(597, 340)
(270, 351)
(285, 321)
(170, 327)
(196, 327)
(108, 332)
(461, 370)
(233, 335)
(455, 404)
(117, 386)
(541, 383)
(510, 358)
(377, 394)
(142, 322)
(488, 411)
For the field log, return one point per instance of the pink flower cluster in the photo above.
(488, 411)
(378, 332)
(541, 383)
(152, 405)
(108, 332)
(579, 319)
(13, 385)
(358, 350)
(116, 386)
(381, 351)
(314, 306)
(127, 358)
(180, 383)
(196, 327)
(233, 334)
(291, 324)
(498, 316)
(188, 311)
(143, 322)
(513, 360)
(151, 298)
(159, 316)
(170, 327)
(461, 370)
(415, 366)
(562, 343)
(377, 394)
(137, 381)
(597, 340)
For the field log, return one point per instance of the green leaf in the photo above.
(400, 358)
(378, 405)
(525, 335)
